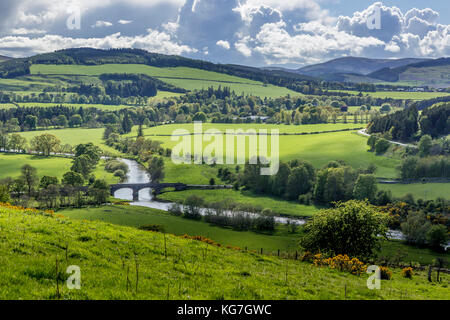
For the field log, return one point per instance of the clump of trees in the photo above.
(299, 180)
(401, 125)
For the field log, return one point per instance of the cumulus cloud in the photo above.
(255, 32)
(224, 44)
(153, 40)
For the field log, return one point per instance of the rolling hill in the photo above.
(3, 58)
(354, 65)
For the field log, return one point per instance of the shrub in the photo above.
(407, 273)
(175, 209)
(385, 273)
(416, 228)
(152, 227)
(381, 146)
(437, 236)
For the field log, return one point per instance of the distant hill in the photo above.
(3, 58)
(90, 56)
(433, 73)
(354, 65)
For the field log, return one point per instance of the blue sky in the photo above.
(290, 33)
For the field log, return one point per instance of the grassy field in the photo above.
(278, 206)
(140, 216)
(187, 78)
(425, 191)
(168, 129)
(399, 94)
(74, 136)
(10, 165)
(169, 267)
(319, 149)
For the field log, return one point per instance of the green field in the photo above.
(400, 94)
(187, 78)
(169, 267)
(10, 165)
(74, 136)
(425, 191)
(278, 206)
(319, 149)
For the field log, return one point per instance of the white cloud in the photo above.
(243, 47)
(224, 44)
(153, 41)
(22, 31)
(313, 41)
(101, 24)
(125, 21)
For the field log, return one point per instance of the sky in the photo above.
(289, 33)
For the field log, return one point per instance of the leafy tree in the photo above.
(31, 122)
(381, 146)
(99, 191)
(73, 179)
(156, 169)
(192, 207)
(301, 180)
(365, 187)
(425, 145)
(415, 228)
(437, 236)
(45, 143)
(46, 181)
(127, 123)
(353, 228)
(75, 121)
(30, 178)
(4, 194)
(17, 142)
(61, 121)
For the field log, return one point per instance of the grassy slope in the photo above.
(187, 78)
(425, 191)
(139, 216)
(10, 165)
(192, 270)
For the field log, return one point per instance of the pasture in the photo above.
(187, 78)
(169, 267)
(10, 165)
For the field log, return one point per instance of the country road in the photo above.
(364, 133)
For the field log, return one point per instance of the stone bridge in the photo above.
(158, 187)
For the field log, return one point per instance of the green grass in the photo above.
(318, 149)
(399, 94)
(187, 78)
(140, 216)
(10, 165)
(398, 250)
(168, 129)
(169, 267)
(75, 136)
(278, 206)
(425, 191)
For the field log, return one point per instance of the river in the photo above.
(138, 174)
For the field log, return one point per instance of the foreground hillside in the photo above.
(33, 246)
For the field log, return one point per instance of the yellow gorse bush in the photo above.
(407, 272)
(342, 263)
(11, 207)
